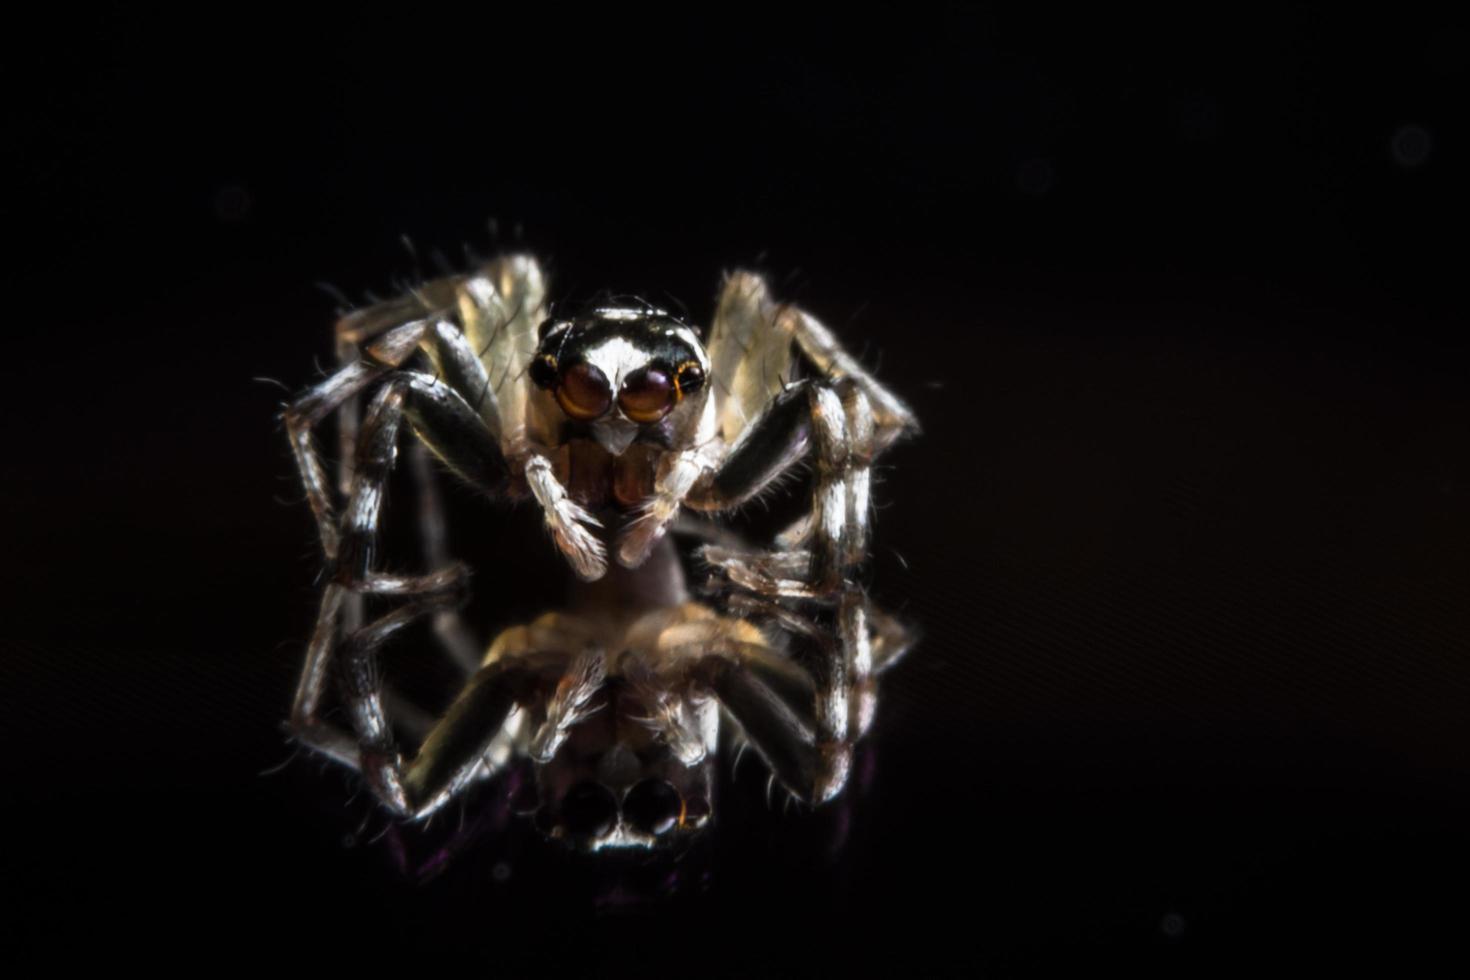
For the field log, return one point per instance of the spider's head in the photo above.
(615, 784)
(624, 374)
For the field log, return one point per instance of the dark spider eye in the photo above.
(583, 392)
(653, 806)
(647, 395)
(588, 810)
(690, 378)
(543, 371)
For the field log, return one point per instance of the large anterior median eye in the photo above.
(647, 395)
(583, 392)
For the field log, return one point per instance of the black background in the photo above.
(1178, 301)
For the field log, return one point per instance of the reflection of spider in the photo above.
(614, 422)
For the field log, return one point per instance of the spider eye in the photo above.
(690, 378)
(647, 395)
(583, 392)
(589, 810)
(543, 371)
(653, 806)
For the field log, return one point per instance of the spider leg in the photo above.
(888, 640)
(470, 742)
(446, 424)
(771, 699)
(559, 644)
(892, 418)
(769, 447)
(449, 625)
(457, 364)
(382, 340)
(434, 590)
(304, 722)
(819, 730)
(305, 413)
(819, 554)
(774, 444)
(456, 752)
(807, 731)
(797, 720)
(777, 729)
(767, 694)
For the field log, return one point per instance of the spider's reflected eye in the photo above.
(647, 395)
(589, 810)
(583, 392)
(653, 806)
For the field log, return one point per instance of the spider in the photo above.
(615, 421)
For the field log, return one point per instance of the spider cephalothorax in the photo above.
(615, 422)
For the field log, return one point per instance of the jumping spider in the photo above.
(614, 421)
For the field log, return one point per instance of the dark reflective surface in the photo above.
(588, 810)
(653, 806)
(1177, 301)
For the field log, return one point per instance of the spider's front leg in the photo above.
(457, 748)
(815, 556)
(458, 436)
(548, 664)
(444, 422)
(466, 437)
(841, 414)
(797, 721)
(835, 426)
(335, 394)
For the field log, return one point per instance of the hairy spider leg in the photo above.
(463, 438)
(443, 422)
(460, 438)
(446, 424)
(308, 411)
(301, 417)
(847, 418)
(455, 362)
(890, 639)
(777, 705)
(458, 750)
(456, 637)
(835, 424)
(305, 723)
(846, 414)
(548, 662)
(893, 419)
